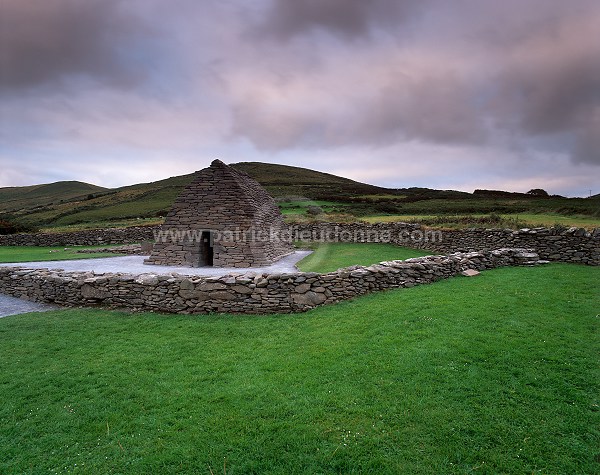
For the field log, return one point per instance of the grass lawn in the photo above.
(58, 253)
(493, 374)
(332, 256)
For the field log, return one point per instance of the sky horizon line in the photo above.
(590, 192)
(397, 93)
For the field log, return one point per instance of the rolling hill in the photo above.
(24, 197)
(296, 189)
(66, 203)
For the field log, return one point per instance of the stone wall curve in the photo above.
(575, 245)
(255, 293)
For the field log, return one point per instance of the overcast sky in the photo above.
(459, 94)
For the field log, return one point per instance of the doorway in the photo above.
(206, 249)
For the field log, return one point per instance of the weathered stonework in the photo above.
(575, 245)
(223, 218)
(293, 292)
(255, 293)
(128, 249)
(88, 237)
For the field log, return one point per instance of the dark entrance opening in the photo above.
(206, 249)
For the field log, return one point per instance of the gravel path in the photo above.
(14, 306)
(132, 265)
(135, 265)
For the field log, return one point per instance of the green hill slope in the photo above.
(287, 181)
(18, 198)
(298, 191)
(64, 204)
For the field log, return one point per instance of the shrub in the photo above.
(390, 207)
(538, 192)
(11, 227)
(313, 210)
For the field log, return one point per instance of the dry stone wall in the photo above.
(556, 244)
(91, 237)
(128, 249)
(575, 245)
(255, 293)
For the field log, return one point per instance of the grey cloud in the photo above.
(373, 96)
(44, 42)
(587, 146)
(345, 18)
(551, 84)
(523, 72)
(434, 109)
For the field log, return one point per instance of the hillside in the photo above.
(284, 181)
(24, 197)
(300, 192)
(64, 204)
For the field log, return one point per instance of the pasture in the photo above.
(493, 374)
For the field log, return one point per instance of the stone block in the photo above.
(470, 273)
(221, 295)
(302, 288)
(309, 298)
(89, 292)
(209, 287)
(241, 289)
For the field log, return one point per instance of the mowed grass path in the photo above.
(328, 257)
(17, 254)
(493, 374)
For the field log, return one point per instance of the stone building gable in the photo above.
(232, 211)
(219, 197)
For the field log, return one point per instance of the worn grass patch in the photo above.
(493, 374)
(16, 254)
(328, 257)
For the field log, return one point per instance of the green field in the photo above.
(493, 374)
(508, 220)
(553, 219)
(17, 254)
(120, 223)
(474, 204)
(301, 206)
(333, 256)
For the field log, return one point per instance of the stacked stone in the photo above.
(575, 245)
(255, 293)
(245, 222)
(88, 237)
(353, 232)
(128, 249)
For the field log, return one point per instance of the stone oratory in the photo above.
(223, 218)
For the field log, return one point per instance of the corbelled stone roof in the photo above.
(222, 196)
(220, 199)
